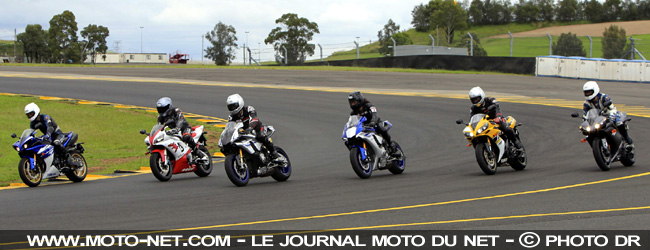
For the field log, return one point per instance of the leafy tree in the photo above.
(526, 11)
(546, 10)
(612, 10)
(630, 11)
(402, 39)
(34, 41)
(644, 9)
(222, 38)
(62, 38)
(478, 49)
(421, 18)
(384, 35)
(613, 42)
(295, 34)
(450, 17)
(594, 11)
(568, 45)
(477, 12)
(95, 40)
(568, 10)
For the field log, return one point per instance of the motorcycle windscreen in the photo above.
(26, 134)
(354, 126)
(592, 115)
(156, 128)
(475, 120)
(228, 131)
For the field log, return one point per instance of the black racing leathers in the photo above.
(372, 119)
(490, 107)
(50, 130)
(174, 118)
(248, 116)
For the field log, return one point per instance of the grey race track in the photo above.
(439, 168)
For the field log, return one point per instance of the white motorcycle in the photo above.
(247, 158)
(368, 151)
(169, 154)
(38, 160)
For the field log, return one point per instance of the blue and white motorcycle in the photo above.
(38, 160)
(369, 151)
(247, 158)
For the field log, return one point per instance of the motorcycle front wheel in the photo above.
(363, 168)
(78, 174)
(601, 154)
(236, 171)
(486, 159)
(161, 171)
(31, 177)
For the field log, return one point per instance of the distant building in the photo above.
(115, 58)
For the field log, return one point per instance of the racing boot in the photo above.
(629, 143)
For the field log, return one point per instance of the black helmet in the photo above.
(355, 99)
(163, 105)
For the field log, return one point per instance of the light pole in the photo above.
(259, 52)
(246, 44)
(141, 27)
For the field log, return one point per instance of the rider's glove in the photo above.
(371, 124)
(173, 131)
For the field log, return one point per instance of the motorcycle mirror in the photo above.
(607, 103)
(13, 135)
(143, 132)
(574, 115)
(459, 121)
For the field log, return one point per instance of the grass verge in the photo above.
(110, 135)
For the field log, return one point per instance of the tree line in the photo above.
(60, 43)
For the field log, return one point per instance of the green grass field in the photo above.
(538, 46)
(111, 135)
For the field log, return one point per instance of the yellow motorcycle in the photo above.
(492, 147)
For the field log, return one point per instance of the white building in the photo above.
(114, 58)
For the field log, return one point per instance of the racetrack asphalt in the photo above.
(441, 188)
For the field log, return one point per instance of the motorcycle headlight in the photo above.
(25, 146)
(482, 128)
(146, 141)
(17, 148)
(588, 129)
(158, 138)
(468, 132)
(597, 126)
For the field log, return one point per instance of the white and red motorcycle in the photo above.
(170, 155)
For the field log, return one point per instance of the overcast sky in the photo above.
(171, 25)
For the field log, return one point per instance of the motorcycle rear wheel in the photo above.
(238, 174)
(79, 174)
(203, 170)
(628, 158)
(31, 177)
(282, 173)
(363, 170)
(518, 163)
(486, 159)
(160, 171)
(398, 166)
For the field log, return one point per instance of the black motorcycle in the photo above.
(606, 142)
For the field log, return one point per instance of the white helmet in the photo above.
(591, 90)
(235, 103)
(474, 94)
(32, 111)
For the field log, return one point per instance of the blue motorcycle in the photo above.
(369, 151)
(38, 159)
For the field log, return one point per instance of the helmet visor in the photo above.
(475, 100)
(233, 106)
(31, 114)
(162, 109)
(589, 92)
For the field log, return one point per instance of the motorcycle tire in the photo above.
(518, 163)
(30, 177)
(203, 170)
(238, 175)
(282, 173)
(486, 159)
(628, 158)
(398, 166)
(161, 172)
(362, 170)
(600, 155)
(79, 174)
